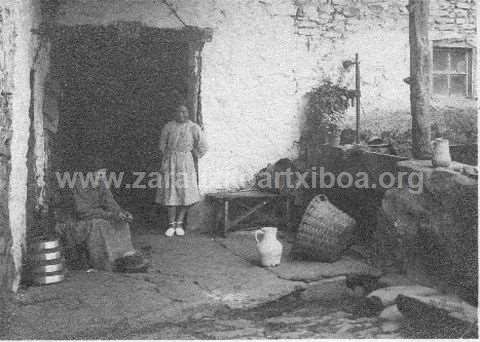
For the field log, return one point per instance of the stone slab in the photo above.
(243, 244)
(419, 306)
(391, 313)
(388, 295)
(326, 289)
(187, 274)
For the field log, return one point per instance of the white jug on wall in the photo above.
(441, 153)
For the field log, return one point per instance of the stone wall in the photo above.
(432, 235)
(265, 55)
(378, 31)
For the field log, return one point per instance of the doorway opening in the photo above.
(119, 87)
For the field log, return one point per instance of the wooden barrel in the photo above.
(325, 231)
(45, 264)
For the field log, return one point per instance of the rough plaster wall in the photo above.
(249, 98)
(27, 15)
(263, 59)
(7, 47)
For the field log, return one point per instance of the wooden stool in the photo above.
(223, 200)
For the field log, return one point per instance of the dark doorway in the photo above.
(120, 87)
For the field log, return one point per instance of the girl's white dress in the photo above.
(179, 143)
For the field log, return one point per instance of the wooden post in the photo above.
(420, 78)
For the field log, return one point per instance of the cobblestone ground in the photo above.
(289, 317)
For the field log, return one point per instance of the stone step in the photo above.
(437, 307)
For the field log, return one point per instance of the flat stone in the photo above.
(238, 323)
(388, 294)
(345, 327)
(391, 313)
(326, 289)
(390, 326)
(286, 320)
(244, 246)
(367, 320)
(358, 291)
(418, 307)
(340, 315)
(295, 334)
(388, 336)
(234, 334)
(394, 279)
(314, 271)
(198, 316)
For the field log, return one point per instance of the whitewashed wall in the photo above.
(263, 59)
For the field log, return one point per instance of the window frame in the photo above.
(470, 59)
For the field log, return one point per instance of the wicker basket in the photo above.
(324, 233)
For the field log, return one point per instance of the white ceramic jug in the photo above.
(441, 153)
(269, 248)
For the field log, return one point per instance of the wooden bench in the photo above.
(224, 200)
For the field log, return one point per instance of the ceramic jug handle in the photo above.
(256, 234)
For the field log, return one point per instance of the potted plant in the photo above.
(327, 106)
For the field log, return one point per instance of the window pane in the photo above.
(440, 59)
(458, 85)
(458, 63)
(440, 84)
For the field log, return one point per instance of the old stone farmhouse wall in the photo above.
(378, 31)
(265, 55)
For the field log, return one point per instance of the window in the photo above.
(452, 71)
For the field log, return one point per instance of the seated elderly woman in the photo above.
(103, 226)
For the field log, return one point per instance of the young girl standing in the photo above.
(181, 140)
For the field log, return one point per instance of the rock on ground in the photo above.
(388, 294)
(431, 229)
(326, 289)
(391, 313)
(389, 327)
(441, 306)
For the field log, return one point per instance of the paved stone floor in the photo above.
(196, 288)
(290, 317)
